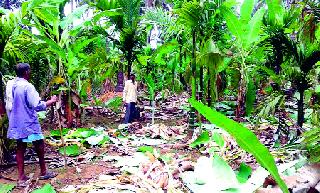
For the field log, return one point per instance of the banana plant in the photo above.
(59, 34)
(55, 31)
(9, 28)
(211, 57)
(246, 31)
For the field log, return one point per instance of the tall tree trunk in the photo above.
(300, 108)
(193, 64)
(192, 113)
(129, 58)
(201, 84)
(209, 98)
(183, 82)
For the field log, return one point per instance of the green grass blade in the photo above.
(245, 138)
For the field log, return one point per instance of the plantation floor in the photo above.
(148, 158)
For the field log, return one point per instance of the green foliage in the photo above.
(312, 144)
(244, 173)
(189, 14)
(144, 149)
(114, 104)
(247, 29)
(218, 139)
(47, 188)
(107, 4)
(56, 133)
(245, 138)
(269, 106)
(71, 150)
(6, 188)
(82, 133)
(250, 97)
(151, 86)
(202, 139)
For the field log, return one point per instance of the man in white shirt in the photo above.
(130, 98)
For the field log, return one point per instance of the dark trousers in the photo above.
(130, 111)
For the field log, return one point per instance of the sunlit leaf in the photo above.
(71, 150)
(218, 139)
(244, 173)
(145, 149)
(250, 97)
(202, 139)
(75, 14)
(56, 132)
(82, 133)
(6, 188)
(47, 188)
(245, 138)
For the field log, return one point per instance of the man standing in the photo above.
(130, 98)
(23, 121)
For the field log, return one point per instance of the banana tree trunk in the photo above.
(240, 110)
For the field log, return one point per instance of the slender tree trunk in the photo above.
(209, 98)
(201, 84)
(300, 108)
(184, 84)
(193, 63)
(192, 113)
(129, 62)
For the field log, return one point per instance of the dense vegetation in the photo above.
(264, 55)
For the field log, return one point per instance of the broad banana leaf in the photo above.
(54, 46)
(246, 10)
(245, 138)
(234, 25)
(76, 14)
(253, 27)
